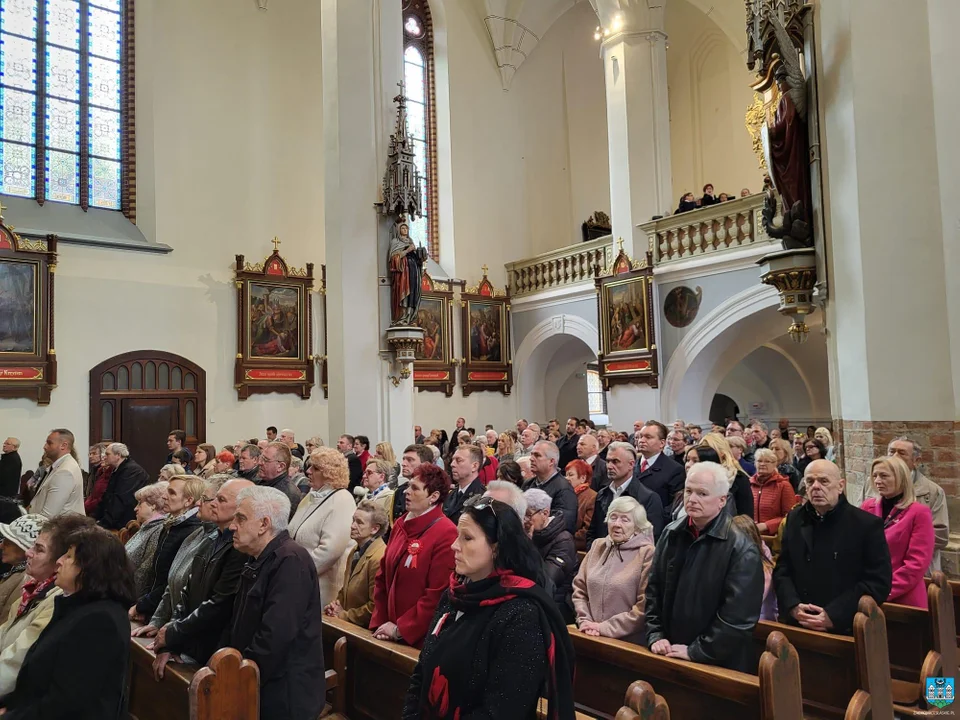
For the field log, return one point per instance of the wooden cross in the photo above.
(620, 244)
(484, 268)
(276, 244)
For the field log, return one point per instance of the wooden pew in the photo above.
(827, 667)
(168, 699)
(874, 697)
(228, 687)
(642, 703)
(689, 689)
(954, 586)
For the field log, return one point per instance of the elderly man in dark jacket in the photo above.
(706, 581)
(277, 617)
(118, 505)
(202, 615)
(543, 461)
(556, 546)
(832, 554)
(621, 460)
(10, 467)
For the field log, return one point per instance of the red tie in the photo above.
(643, 465)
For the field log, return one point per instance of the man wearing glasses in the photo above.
(274, 472)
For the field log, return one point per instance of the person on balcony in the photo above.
(687, 203)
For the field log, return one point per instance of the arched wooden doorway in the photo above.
(137, 398)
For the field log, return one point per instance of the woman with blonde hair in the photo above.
(321, 523)
(609, 591)
(823, 435)
(168, 471)
(205, 461)
(908, 527)
(506, 446)
(384, 451)
(739, 481)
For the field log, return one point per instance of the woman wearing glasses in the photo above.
(416, 567)
(495, 606)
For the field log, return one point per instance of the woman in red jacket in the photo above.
(773, 495)
(416, 567)
(908, 527)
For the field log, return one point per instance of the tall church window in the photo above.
(419, 84)
(596, 397)
(66, 102)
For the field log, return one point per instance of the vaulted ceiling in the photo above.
(516, 27)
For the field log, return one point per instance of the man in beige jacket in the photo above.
(61, 490)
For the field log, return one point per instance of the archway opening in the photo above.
(553, 380)
(723, 409)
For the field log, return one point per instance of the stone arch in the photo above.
(711, 349)
(553, 337)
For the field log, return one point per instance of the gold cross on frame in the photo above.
(276, 244)
(620, 244)
(484, 268)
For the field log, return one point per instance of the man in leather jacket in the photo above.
(706, 582)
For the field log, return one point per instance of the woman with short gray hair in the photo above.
(556, 546)
(141, 548)
(609, 592)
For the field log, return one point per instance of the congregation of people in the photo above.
(676, 538)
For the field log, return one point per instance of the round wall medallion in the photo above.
(681, 305)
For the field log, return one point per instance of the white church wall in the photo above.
(563, 125)
(709, 94)
(224, 164)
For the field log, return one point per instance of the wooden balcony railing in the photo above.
(559, 268)
(714, 229)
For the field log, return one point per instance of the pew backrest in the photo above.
(779, 672)
(873, 665)
(227, 687)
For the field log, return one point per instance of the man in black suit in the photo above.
(418, 438)
(655, 470)
(454, 435)
(832, 554)
(118, 505)
(588, 450)
(567, 444)
(464, 467)
(10, 467)
(621, 458)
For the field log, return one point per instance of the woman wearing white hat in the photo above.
(18, 537)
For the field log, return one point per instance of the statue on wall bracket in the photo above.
(787, 147)
(406, 274)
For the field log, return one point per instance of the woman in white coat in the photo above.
(322, 521)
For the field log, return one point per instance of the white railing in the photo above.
(710, 230)
(558, 268)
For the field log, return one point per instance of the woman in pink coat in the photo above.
(908, 526)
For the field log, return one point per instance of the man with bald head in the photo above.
(206, 606)
(588, 450)
(832, 554)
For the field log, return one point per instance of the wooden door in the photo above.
(145, 424)
(137, 398)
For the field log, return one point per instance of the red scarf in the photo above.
(581, 488)
(34, 590)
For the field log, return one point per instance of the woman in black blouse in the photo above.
(519, 650)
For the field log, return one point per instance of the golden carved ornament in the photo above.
(755, 118)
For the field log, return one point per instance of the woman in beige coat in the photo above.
(322, 521)
(355, 601)
(609, 591)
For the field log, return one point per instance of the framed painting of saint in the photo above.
(485, 323)
(28, 359)
(275, 333)
(434, 369)
(628, 349)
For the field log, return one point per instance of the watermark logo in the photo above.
(939, 691)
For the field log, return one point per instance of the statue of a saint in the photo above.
(406, 272)
(788, 150)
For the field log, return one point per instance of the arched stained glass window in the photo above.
(418, 78)
(66, 102)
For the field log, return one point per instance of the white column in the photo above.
(888, 316)
(362, 66)
(638, 124)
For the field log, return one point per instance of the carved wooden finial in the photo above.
(276, 244)
(484, 268)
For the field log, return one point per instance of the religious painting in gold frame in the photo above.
(485, 338)
(275, 328)
(28, 359)
(434, 369)
(628, 348)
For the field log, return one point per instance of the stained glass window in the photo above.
(62, 101)
(418, 84)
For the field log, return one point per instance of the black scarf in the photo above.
(504, 586)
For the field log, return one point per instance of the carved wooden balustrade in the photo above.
(558, 268)
(714, 229)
